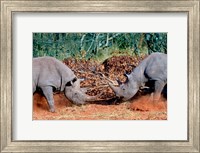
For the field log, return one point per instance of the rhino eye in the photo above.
(123, 88)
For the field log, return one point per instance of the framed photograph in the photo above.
(91, 63)
(99, 76)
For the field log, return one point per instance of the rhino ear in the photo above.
(74, 80)
(127, 76)
(69, 83)
(119, 82)
(82, 79)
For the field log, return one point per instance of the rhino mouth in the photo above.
(119, 96)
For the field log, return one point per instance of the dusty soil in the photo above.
(97, 75)
(140, 109)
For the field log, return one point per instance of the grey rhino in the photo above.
(50, 74)
(152, 68)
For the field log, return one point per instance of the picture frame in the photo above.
(8, 8)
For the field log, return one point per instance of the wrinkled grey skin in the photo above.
(50, 74)
(77, 95)
(152, 68)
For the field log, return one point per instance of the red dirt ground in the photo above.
(140, 109)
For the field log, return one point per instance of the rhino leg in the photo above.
(48, 93)
(159, 85)
(34, 87)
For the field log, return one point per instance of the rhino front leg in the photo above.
(159, 85)
(48, 93)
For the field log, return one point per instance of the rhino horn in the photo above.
(90, 98)
(115, 89)
(82, 79)
(93, 98)
(84, 90)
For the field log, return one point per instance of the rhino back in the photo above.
(48, 71)
(156, 67)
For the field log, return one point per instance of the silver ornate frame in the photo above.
(9, 7)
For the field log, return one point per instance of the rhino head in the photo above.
(76, 94)
(126, 90)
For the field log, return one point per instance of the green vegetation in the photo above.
(97, 46)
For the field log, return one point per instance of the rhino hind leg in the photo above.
(34, 88)
(159, 85)
(48, 93)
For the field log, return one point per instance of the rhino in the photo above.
(152, 68)
(50, 74)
